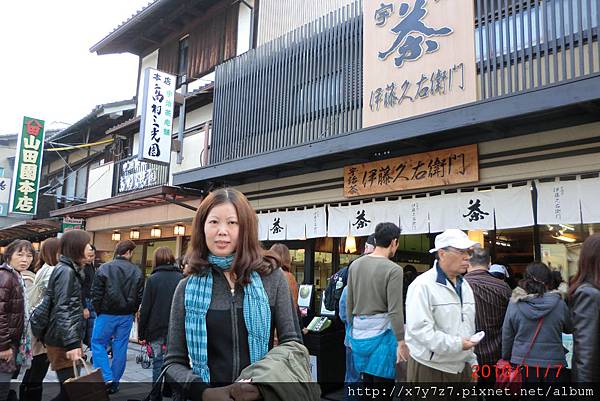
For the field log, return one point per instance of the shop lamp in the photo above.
(134, 234)
(565, 238)
(116, 236)
(155, 232)
(35, 246)
(179, 230)
(350, 244)
(2, 249)
(476, 235)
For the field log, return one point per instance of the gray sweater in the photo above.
(228, 352)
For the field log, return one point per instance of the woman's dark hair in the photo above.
(73, 243)
(49, 250)
(589, 264)
(283, 253)
(248, 255)
(538, 279)
(16, 246)
(163, 256)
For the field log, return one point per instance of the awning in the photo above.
(140, 199)
(30, 230)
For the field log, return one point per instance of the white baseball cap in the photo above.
(454, 238)
(499, 269)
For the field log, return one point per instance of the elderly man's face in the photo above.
(455, 261)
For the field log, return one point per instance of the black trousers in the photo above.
(31, 386)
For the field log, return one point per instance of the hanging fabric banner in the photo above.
(316, 222)
(476, 210)
(365, 217)
(589, 194)
(296, 224)
(338, 224)
(558, 202)
(443, 212)
(263, 226)
(513, 207)
(277, 225)
(414, 217)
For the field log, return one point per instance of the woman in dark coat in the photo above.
(12, 315)
(65, 328)
(584, 297)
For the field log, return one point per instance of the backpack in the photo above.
(334, 289)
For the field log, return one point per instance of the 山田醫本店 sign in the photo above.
(28, 166)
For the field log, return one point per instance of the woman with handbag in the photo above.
(225, 312)
(32, 384)
(533, 325)
(64, 333)
(584, 297)
(18, 254)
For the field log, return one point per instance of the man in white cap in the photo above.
(440, 315)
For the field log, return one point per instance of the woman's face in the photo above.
(221, 230)
(21, 260)
(89, 255)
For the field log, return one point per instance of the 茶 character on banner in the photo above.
(475, 213)
(361, 219)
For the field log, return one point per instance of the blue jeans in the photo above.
(158, 354)
(118, 328)
(352, 378)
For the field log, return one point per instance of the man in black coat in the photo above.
(116, 296)
(155, 311)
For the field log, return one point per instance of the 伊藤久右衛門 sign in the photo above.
(28, 165)
(419, 58)
(432, 169)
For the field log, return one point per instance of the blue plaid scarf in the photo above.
(257, 316)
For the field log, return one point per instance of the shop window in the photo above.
(297, 257)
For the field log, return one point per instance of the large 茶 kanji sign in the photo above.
(432, 169)
(418, 57)
(156, 124)
(28, 167)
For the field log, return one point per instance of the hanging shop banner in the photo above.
(419, 58)
(5, 187)
(263, 226)
(69, 224)
(156, 126)
(296, 224)
(443, 212)
(365, 217)
(432, 169)
(414, 218)
(338, 223)
(558, 202)
(316, 222)
(589, 194)
(28, 167)
(277, 226)
(514, 207)
(475, 210)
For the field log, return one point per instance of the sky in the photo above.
(47, 69)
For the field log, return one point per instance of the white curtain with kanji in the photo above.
(316, 222)
(364, 217)
(277, 225)
(414, 215)
(475, 210)
(558, 202)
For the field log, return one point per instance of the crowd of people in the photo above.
(231, 313)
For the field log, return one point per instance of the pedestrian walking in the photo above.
(12, 311)
(584, 297)
(225, 312)
(89, 314)
(532, 331)
(283, 253)
(63, 337)
(491, 300)
(374, 310)
(116, 296)
(351, 376)
(153, 325)
(440, 315)
(31, 387)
